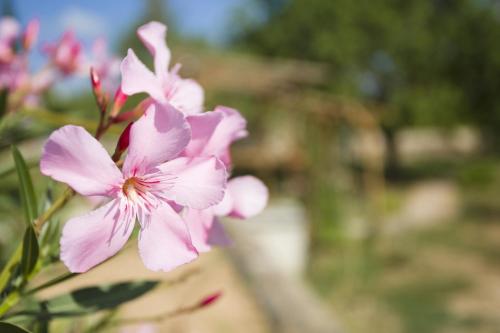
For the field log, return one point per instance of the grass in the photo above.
(421, 305)
(412, 281)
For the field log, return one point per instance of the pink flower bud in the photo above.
(123, 142)
(125, 116)
(119, 101)
(31, 34)
(95, 80)
(209, 300)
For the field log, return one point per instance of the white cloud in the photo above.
(83, 22)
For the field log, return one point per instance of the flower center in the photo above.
(133, 188)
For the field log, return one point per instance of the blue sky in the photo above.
(90, 19)
(208, 19)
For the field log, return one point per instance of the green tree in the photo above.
(430, 62)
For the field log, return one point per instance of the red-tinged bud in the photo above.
(31, 34)
(122, 117)
(209, 300)
(134, 113)
(119, 101)
(96, 81)
(123, 142)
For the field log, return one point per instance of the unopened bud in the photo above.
(123, 117)
(96, 81)
(134, 113)
(31, 34)
(118, 102)
(123, 142)
(209, 300)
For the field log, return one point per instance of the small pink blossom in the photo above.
(66, 54)
(162, 85)
(105, 64)
(9, 32)
(153, 175)
(212, 135)
(14, 67)
(13, 74)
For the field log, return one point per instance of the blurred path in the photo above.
(271, 252)
(235, 311)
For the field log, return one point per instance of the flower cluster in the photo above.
(64, 58)
(15, 45)
(174, 180)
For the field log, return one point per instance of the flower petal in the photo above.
(164, 243)
(203, 126)
(224, 207)
(214, 139)
(217, 236)
(249, 196)
(188, 96)
(159, 135)
(199, 182)
(90, 239)
(199, 223)
(137, 78)
(153, 36)
(71, 155)
(205, 229)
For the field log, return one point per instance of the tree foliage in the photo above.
(431, 62)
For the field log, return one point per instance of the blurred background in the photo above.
(374, 124)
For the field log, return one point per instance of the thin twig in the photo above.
(52, 282)
(58, 204)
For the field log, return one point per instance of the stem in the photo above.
(157, 319)
(50, 283)
(14, 296)
(11, 300)
(58, 204)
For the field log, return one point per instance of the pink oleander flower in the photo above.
(14, 67)
(153, 176)
(9, 32)
(66, 54)
(212, 134)
(162, 85)
(30, 34)
(13, 74)
(106, 65)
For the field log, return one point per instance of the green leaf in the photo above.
(10, 268)
(30, 252)
(100, 297)
(28, 197)
(89, 300)
(11, 328)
